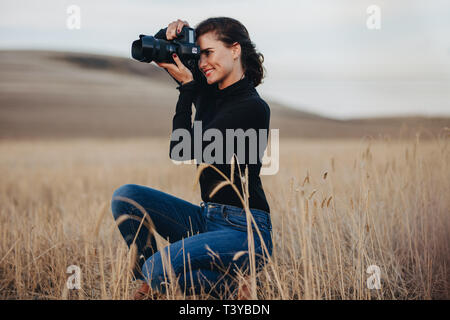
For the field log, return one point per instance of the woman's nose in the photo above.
(201, 62)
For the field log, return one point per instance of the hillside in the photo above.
(62, 95)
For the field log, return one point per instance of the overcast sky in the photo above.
(309, 46)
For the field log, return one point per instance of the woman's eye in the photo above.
(205, 53)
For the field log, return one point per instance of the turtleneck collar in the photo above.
(236, 88)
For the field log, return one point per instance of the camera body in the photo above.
(157, 48)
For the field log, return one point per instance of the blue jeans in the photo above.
(204, 239)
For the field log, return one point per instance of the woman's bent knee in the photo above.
(119, 204)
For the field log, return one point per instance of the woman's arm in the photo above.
(253, 114)
(182, 120)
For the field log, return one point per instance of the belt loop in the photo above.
(222, 210)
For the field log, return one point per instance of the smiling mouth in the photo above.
(208, 73)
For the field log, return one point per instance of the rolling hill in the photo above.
(45, 94)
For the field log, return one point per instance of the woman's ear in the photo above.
(236, 50)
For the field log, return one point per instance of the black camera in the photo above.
(158, 49)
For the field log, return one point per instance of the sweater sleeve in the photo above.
(249, 115)
(182, 120)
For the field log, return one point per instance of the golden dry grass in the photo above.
(337, 208)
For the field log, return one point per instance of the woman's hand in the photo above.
(174, 28)
(178, 71)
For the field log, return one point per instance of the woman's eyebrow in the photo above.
(202, 51)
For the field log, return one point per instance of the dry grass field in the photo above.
(74, 127)
(338, 207)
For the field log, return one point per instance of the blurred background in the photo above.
(334, 68)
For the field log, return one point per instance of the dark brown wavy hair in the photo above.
(229, 31)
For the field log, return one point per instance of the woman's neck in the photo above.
(233, 77)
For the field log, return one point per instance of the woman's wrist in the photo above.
(187, 85)
(187, 81)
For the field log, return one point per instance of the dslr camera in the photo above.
(157, 48)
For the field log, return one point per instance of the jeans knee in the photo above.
(118, 205)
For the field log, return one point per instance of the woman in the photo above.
(208, 242)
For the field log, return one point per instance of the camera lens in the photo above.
(148, 49)
(136, 50)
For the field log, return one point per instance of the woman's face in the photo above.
(217, 62)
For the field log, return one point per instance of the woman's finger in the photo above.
(168, 66)
(181, 24)
(171, 30)
(177, 60)
(174, 28)
(169, 34)
(178, 71)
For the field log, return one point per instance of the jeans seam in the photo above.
(258, 222)
(257, 218)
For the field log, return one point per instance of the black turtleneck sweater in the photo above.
(236, 106)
